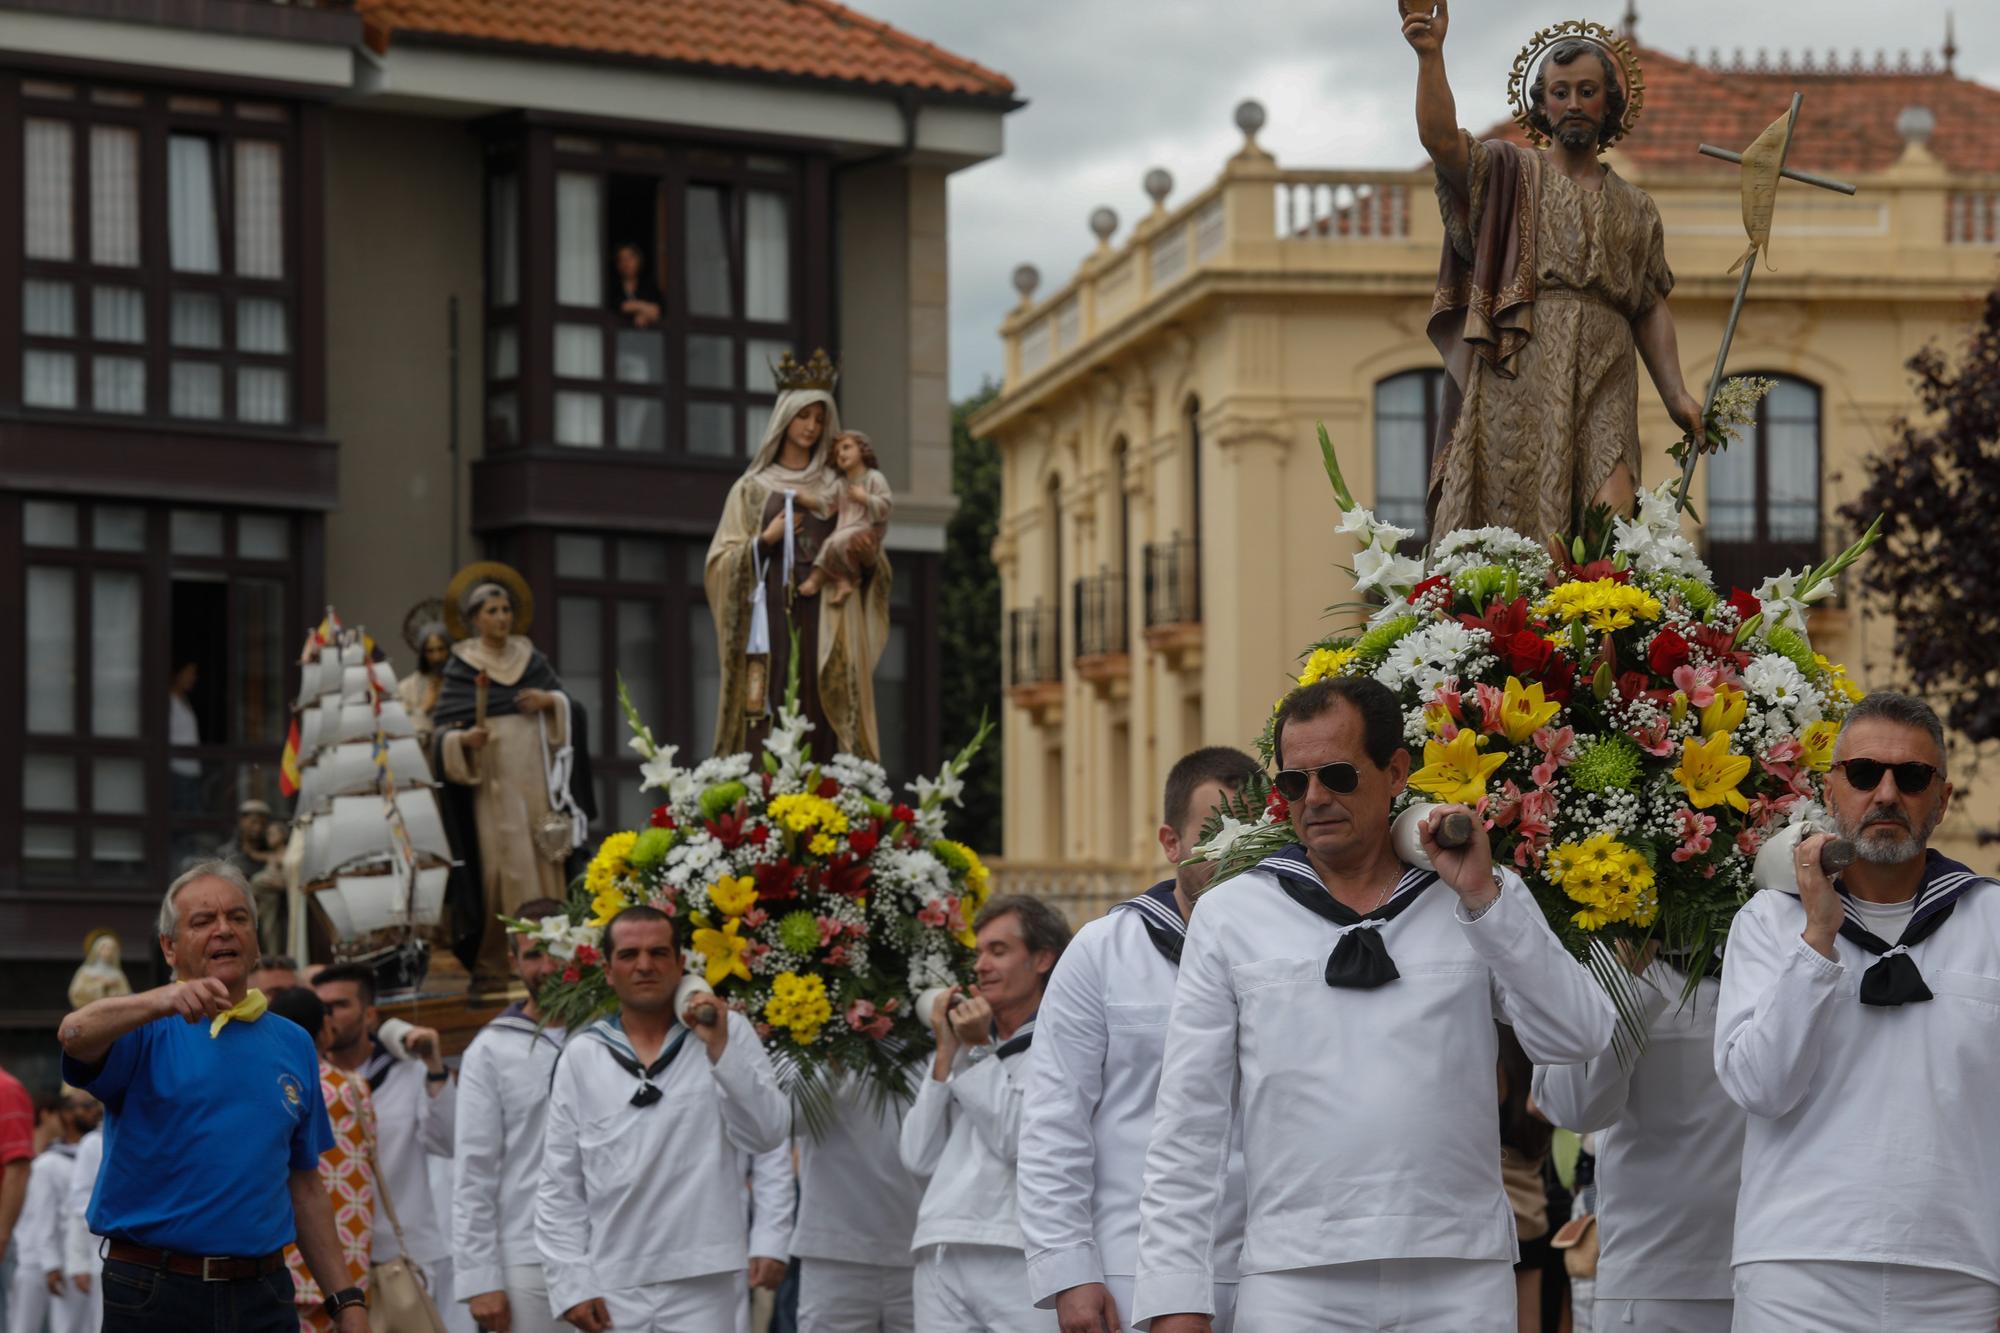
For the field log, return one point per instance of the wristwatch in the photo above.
(343, 1298)
(437, 1076)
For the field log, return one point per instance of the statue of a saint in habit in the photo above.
(778, 514)
(510, 746)
(1554, 274)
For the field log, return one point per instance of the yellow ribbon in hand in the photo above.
(249, 1009)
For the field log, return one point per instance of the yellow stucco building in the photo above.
(1167, 541)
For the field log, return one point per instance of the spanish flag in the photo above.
(288, 765)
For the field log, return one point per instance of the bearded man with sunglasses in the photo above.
(1859, 1025)
(1342, 1004)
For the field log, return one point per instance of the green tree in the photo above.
(969, 620)
(1936, 488)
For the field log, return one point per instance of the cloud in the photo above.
(1116, 87)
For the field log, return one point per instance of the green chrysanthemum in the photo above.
(798, 932)
(1698, 599)
(722, 797)
(1792, 644)
(952, 855)
(651, 848)
(1605, 764)
(1382, 638)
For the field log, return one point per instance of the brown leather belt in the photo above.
(209, 1268)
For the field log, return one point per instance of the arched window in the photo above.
(1763, 491)
(1407, 409)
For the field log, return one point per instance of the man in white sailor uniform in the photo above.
(1099, 1039)
(1344, 1004)
(1669, 1144)
(639, 1215)
(963, 1130)
(39, 1290)
(857, 1214)
(1859, 1025)
(503, 1095)
(83, 1255)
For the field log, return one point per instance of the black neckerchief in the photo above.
(1360, 961)
(611, 1033)
(1160, 912)
(1023, 1038)
(378, 1064)
(1894, 979)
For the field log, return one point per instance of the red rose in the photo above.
(1277, 806)
(828, 789)
(760, 835)
(862, 841)
(571, 974)
(660, 818)
(902, 814)
(586, 955)
(1669, 650)
(1525, 652)
(1746, 604)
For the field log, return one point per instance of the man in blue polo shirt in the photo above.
(212, 1134)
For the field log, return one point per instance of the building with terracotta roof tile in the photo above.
(311, 303)
(1165, 544)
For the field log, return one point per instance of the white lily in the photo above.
(1380, 567)
(658, 770)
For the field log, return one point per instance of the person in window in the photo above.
(184, 728)
(632, 294)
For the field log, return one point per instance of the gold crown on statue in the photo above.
(818, 373)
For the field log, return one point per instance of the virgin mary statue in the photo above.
(777, 514)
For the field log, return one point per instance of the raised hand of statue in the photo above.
(1423, 27)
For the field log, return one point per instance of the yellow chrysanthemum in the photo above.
(608, 876)
(733, 895)
(823, 844)
(1524, 710)
(1610, 882)
(798, 1004)
(1818, 740)
(1605, 603)
(1709, 773)
(1455, 771)
(722, 952)
(802, 811)
(1324, 662)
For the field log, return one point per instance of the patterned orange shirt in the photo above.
(347, 1170)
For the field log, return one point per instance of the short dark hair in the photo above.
(1381, 715)
(1903, 709)
(532, 910)
(640, 912)
(1212, 763)
(1043, 928)
(629, 244)
(277, 962)
(362, 975)
(1564, 53)
(302, 1007)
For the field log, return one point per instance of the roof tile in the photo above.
(815, 39)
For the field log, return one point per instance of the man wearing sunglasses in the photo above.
(1859, 1025)
(1342, 1004)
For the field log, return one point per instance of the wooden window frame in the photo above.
(156, 121)
(1734, 561)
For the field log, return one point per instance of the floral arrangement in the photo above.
(805, 894)
(1628, 733)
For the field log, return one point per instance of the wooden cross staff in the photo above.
(1762, 166)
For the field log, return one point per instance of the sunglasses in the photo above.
(1339, 778)
(1866, 774)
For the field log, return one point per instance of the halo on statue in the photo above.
(487, 571)
(430, 611)
(102, 932)
(1522, 77)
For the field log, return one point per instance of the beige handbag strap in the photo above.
(388, 1201)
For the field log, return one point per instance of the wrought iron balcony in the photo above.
(1034, 647)
(1099, 607)
(1173, 583)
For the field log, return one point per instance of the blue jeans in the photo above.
(138, 1299)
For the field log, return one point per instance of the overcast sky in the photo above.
(1114, 87)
